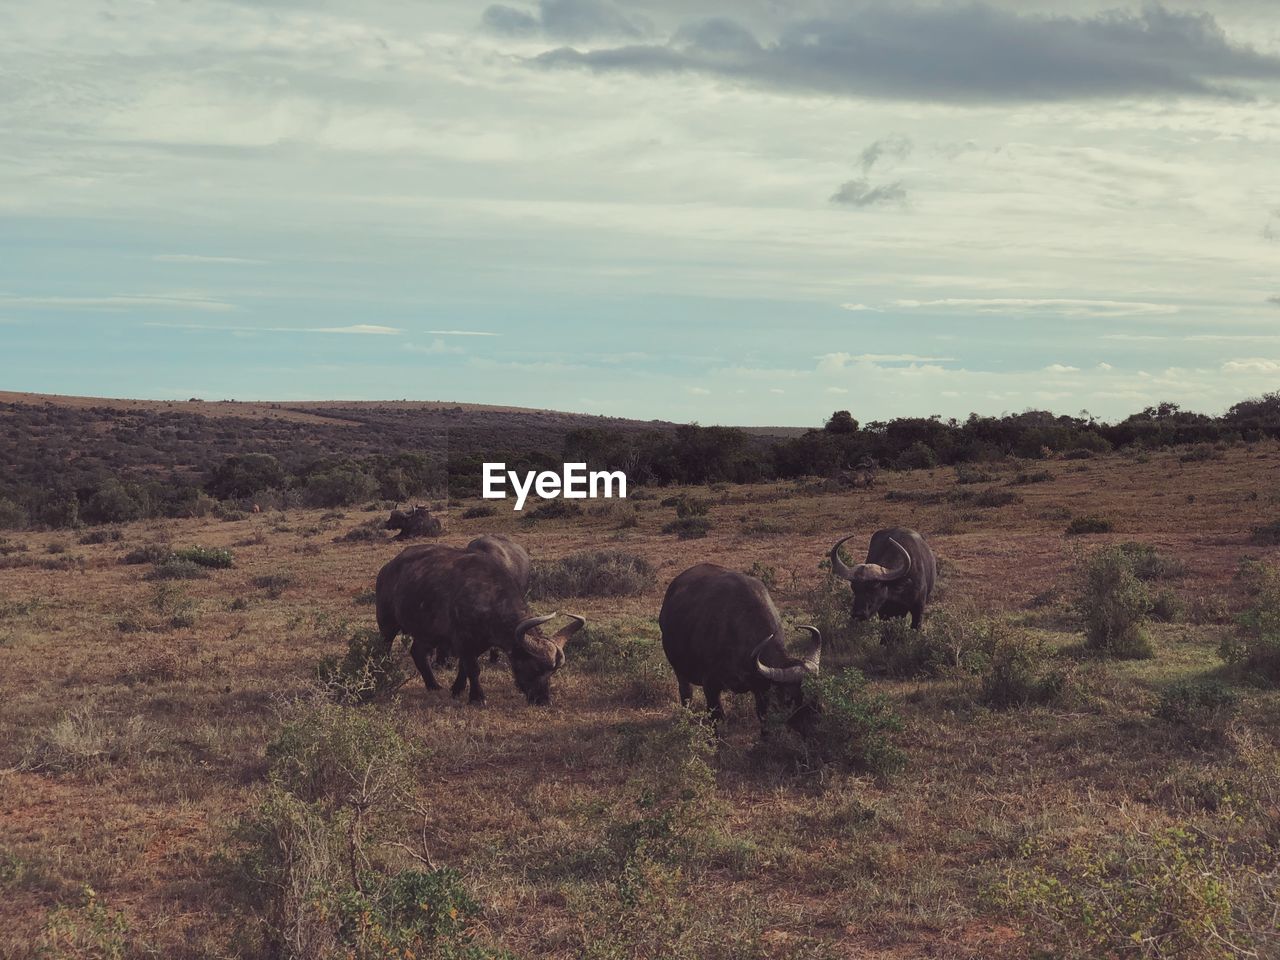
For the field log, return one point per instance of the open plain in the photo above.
(137, 716)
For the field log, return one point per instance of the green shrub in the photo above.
(1201, 706)
(1150, 565)
(339, 487)
(687, 506)
(174, 569)
(366, 671)
(364, 533)
(968, 473)
(88, 931)
(149, 553)
(592, 573)
(1166, 894)
(918, 456)
(1254, 647)
(1014, 675)
(1114, 605)
(1085, 525)
(215, 558)
(1200, 453)
(476, 512)
(1078, 453)
(995, 497)
(1032, 476)
(101, 536)
(1167, 607)
(853, 726)
(688, 528)
(12, 515)
(552, 510)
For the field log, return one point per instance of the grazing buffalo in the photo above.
(513, 556)
(467, 602)
(721, 631)
(417, 522)
(896, 578)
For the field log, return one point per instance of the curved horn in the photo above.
(898, 572)
(564, 633)
(778, 674)
(838, 567)
(813, 657)
(528, 623)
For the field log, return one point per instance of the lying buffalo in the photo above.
(896, 578)
(417, 522)
(467, 602)
(721, 631)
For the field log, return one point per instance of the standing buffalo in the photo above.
(896, 578)
(467, 601)
(721, 631)
(512, 556)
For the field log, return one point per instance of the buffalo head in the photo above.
(871, 582)
(535, 657)
(788, 678)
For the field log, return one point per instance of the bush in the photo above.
(1079, 453)
(274, 584)
(1266, 535)
(1167, 607)
(552, 510)
(365, 672)
(1023, 477)
(94, 537)
(593, 573)
(174, 569)
(1200, 453)
(474, 513)
(918, 456)
(995, 497)
(1201, 706)
(339, 487)
(364, 533)
(215, 558)
(688, 528)
(1014, 675)
(1114, 605)
(968, 473)
(149, 553)
(853, 724)
(89, 930)
(1150, 565)
(1085, 525)
(1255, 645)
(114, 502)
(12, 515)
(1165, 894)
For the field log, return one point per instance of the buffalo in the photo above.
(512, 556)
(896, 579)
(466, 601)
(721, 631)
(417, 522)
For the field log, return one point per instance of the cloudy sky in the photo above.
(743, 211)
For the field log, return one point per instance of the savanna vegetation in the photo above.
(204, 750)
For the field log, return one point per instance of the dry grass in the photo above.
(129, 755)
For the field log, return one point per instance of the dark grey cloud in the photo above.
(895, 148)
(971, 53)
(571, 20)
(860, 193)
(1274, 300)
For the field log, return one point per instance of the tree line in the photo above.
(46, 487)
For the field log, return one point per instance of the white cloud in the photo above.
(832, 362)
(858, 307)
(1061, 368)
(436, 346)
(1104, 366)
(1064, 306)
(836, 390)
(1251, 365)
(123, 303)
(357, 329)
(700, 391)
(462, 333)
(199, 258)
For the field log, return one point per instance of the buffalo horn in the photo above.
(838, 567)
(808, 666)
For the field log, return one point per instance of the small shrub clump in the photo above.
(1266, 534)
(995, 497)
(1114, 605)
(1014, 675)
(592, 573)
(476, 512)
(148, 553)
(1202, 707)
(688, 528)
(215, 558)
(365, 672)
(1150, 565)
(175, 569)
(1080, 526)
(1254, 647)
(853, 724)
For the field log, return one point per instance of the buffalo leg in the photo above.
(686, 692)
(762, 703)
(713, 703)
(493, 655)
(422, 660)
(917, 614)
(442, 657)
(472, 666)
(460, 684)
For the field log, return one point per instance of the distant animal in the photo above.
(466, 601)
(417, 522)
(721, 631)
(257, 508)
(895, 580)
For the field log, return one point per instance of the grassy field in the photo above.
(136, 717)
